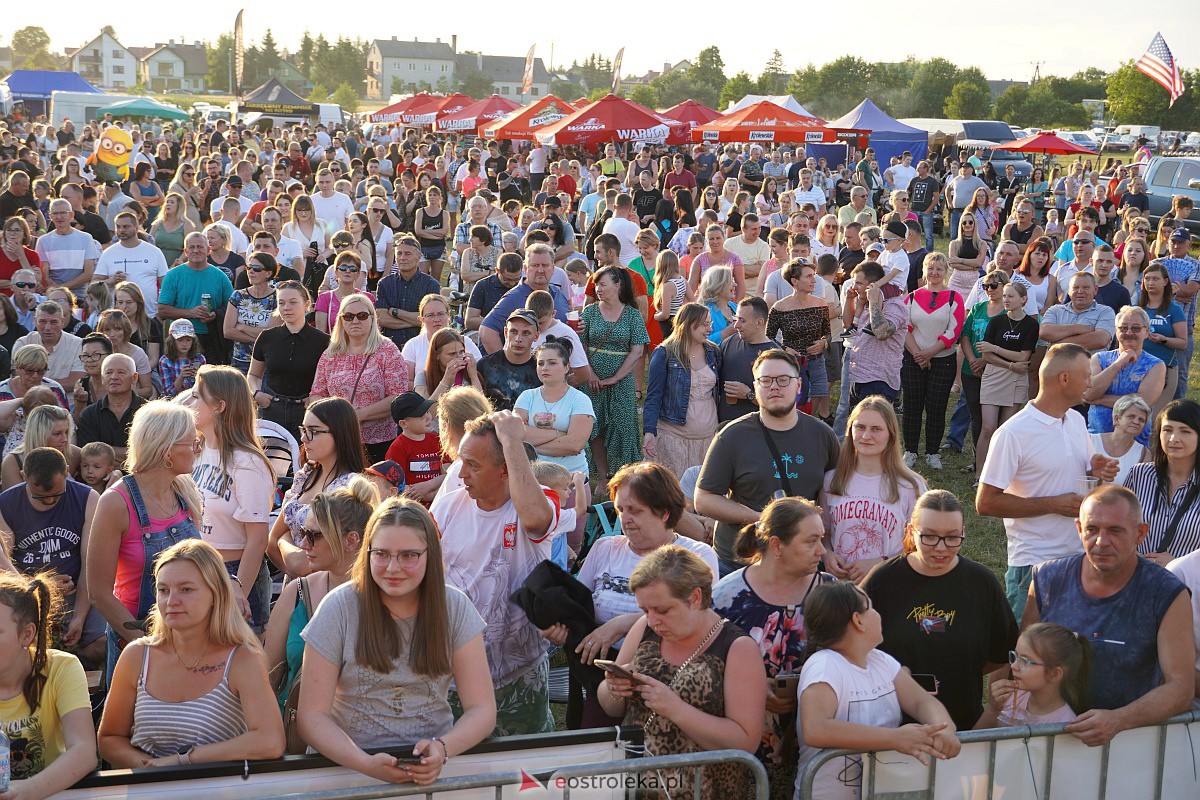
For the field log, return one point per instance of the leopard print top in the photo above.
(701, 685)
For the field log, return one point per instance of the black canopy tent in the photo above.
(277, 100)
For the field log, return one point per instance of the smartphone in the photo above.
(405, 755)
(615, 669)
(787, 682)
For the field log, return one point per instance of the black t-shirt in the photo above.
(493, 166)
(923, 192)
(486, 293)
(94, 225)
(290, 358)
(737, 364)
(645, 201)
(503, 381)
(916, 261)
(10, 204)
(945, 629)
(849, 259)
(1139, 201)
(1021, 336)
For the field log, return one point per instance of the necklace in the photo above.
(195, 664)
(679, 670)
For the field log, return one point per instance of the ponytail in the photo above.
(780, 519)
(34, 600)
(1070, 651)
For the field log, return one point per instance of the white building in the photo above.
(106, 63)
(411, 64)
(173, 66)
(506, 72)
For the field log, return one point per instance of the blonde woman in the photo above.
(186, 187)
(147, 330)
(716, 294)
(171, 227)
(306, 228)
(46, 426)
(117, 328)
(195, 689)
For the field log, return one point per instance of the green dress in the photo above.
(608, 345)
(170, 242)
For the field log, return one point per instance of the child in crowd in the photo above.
(97, 298)
(695, 246)
(1050, 671)
(555, 476)
(98, 466)
(182, 360)
(1053, 226)
(578, 273)
(34, 397)
(418, 449)
(542, 304)
(670, 290)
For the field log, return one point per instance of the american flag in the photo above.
(1158, 63)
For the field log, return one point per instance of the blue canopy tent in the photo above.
(33, 87)
(889, 137)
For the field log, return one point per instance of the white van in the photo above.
(1149, 131)
(81, 107)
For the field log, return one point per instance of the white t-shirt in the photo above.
(860, 523)
(813, 195)
(626, 231)
(979, 294)
(1036, 455)
(334, 210)
(779, 288)
(899, 261)
(144, 264)
(1187, 569)
(233, 496)
(756, 252)
(609, 564)
(289, 251)
(537, 161)
(561, 330)
(488, 556)
(416, 351)
(214, 207)
(902, 176)
(864, 697)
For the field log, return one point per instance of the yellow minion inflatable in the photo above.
(110, 160)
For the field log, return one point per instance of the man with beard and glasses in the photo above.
(778, 452)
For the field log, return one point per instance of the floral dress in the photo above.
(781, 638)
(365, 379)
(608, 345)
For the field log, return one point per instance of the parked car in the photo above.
(1116, 143)
(1167, 176)
(1081, 138)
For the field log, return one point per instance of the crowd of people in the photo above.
(472, 342)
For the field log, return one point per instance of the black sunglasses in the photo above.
(351, 316)
(259, 268)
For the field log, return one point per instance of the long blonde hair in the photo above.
(892, 458)
(679, 342)
(666, 267)
(339, 340)
(235, 425)
(226, 625)
(714, 281)
(157, 426)
(379, 642)
(141, 323)
(40, 423)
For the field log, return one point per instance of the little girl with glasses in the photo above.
(1048, 680)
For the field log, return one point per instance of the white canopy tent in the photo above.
(785, 100)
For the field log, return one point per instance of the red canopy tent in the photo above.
(764, 122)
(426, 116)
(614, 119)
(580, 102)
(476, 114)
(522, 123)
(1045, 142)
(394, 112)
(691, 112)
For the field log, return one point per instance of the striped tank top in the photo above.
(165, 729)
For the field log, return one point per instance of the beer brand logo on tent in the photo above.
(762, 136)
(457, 124)
(712, 136)
(813, 136)
(591, 124)
(551, 113)
(760, 123)
(657, 133)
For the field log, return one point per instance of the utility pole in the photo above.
(1037, 71)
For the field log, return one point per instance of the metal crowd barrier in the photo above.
(551, 780)
(1038, 762)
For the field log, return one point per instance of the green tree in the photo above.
(805, 85)
(475, 84)
(1134, 98)
(270, 54)
(1046, 109)
(709, 67)
(774, 79)
(31, 47)
(346, 97)
(968, 100)
(304, 56)
(110, 30)
(1010, 105)
(341, 63)
(595, 72)
(675, 87)
(319, 93)
(931, 85)
(842, 84)
(219, 55)
(736, 88)
(645, 94)
(565, 89)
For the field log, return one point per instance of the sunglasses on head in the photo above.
(359, 316)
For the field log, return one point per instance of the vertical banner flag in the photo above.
(616, 84)
(1159, 65)
(527, 80)
(239, 54)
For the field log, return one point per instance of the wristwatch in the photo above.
(394, 313)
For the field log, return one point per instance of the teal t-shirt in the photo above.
(975, 324)
(183, 286)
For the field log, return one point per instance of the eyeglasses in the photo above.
(405, 558)
(310, 433)
(91, 356)
(767, 381)
(360, 316)
(377, 210)
(890, 239)
(24, 285)
(933, 540)
(1130, 328)
(309, 535)
(1026, 663)
(349, 268)
(1141, 230)
(48, 498)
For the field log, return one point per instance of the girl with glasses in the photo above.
(381, 651)
(16, 252)
(1048, 680)
(963, 627)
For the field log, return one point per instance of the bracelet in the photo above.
(445, 749)
(186, 757)
(237, 580)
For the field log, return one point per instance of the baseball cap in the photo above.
(525, 315)
(410, 404)
(1181, 235)
(181, 328)
(233, 180)
(554, 200)
(390, 471)
(875, 248)
(283, 162)
(897, 229)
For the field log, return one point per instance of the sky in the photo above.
(1004, 45)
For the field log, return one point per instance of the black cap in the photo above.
(410, 404)
(554, 200)
(233, 180)
(897, 229)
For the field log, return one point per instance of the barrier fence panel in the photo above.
(1039, 762)
(612, 779)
